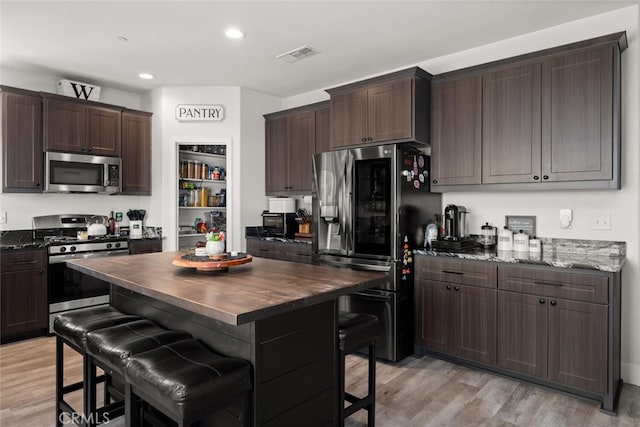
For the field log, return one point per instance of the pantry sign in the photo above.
(199, 113)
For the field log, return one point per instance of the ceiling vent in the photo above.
(297, 54)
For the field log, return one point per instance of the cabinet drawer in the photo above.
(553, 283)
(451, 270)
(19, 260)
(263, 248)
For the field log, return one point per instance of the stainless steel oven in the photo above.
(68, 289)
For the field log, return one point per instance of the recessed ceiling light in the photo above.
(234, 33)
(145, 76)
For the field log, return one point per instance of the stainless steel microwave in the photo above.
(279, 224)
(80, 173)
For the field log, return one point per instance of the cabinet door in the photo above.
(103, 131)
(301, 136)
(64, 126)
(522, 333)
(434, 315)
(456, 146)
(23, 296)
(511, 125)
(577, 118)
(475, 323)
(323, 129)
(276, 155)
(389, 111)
(22, 142)
(578, 344)
(144, 246)
(136, 153)
(348, 118)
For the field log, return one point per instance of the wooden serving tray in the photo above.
(215, 263)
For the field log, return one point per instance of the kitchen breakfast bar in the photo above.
(280, 316)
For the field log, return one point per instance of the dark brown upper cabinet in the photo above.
(292, 137)
(577, 116)
(390, 108)
(136, 153)
(550, 120)
(456, 144)
(78, 127)
(21, 141)
(511, 125)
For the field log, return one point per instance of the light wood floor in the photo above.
(412, 393)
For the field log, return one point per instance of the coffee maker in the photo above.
(456, 230)
(455, 223)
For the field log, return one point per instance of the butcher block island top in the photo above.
(243, 294)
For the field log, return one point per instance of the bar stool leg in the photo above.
(59, 380)
(131, 407)
(371, 413)
(245, 410)
(341, 387)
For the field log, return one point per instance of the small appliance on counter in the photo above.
(279, 224)
(456, 234)
(282, 205)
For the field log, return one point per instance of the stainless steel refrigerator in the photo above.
(371, 206)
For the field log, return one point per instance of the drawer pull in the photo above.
(457, 288)
(557, 285)
(542, 301)
(448, 286)
(453, 272)
(552, 302)
(32, 261)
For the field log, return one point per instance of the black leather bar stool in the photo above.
(186, 382)
(109, 349)
(355, 332)
(71, 329)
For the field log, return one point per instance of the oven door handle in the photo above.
(373, 297)
(71, 257)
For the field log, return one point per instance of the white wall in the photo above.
(21, 208)
(250, 183)
(42, 82)
(623, 205)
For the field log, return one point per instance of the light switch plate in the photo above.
(601, 221)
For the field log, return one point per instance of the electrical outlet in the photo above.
(601, 221)
(3, 217)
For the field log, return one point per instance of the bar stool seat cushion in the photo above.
(185, 378)
(74, 325)
(112, 346)
(356, 330)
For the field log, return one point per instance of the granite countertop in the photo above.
(244, 294)
(563, 253)
(305, 240)
(23, 239)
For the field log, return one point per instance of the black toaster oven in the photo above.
(275, 224)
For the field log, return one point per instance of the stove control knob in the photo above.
(63, 249)
(72, 248)
(117, 245)
(108, 245)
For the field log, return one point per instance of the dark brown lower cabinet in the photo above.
(562, 341)
(457, 319)
(144, 246)
(553, 326)
(23, 294)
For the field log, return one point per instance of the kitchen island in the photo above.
(279, 315)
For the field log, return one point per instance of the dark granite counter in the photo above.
(562, 253)
(19, 239)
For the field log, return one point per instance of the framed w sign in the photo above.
(78, 90)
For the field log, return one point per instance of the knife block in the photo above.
(304, 228)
